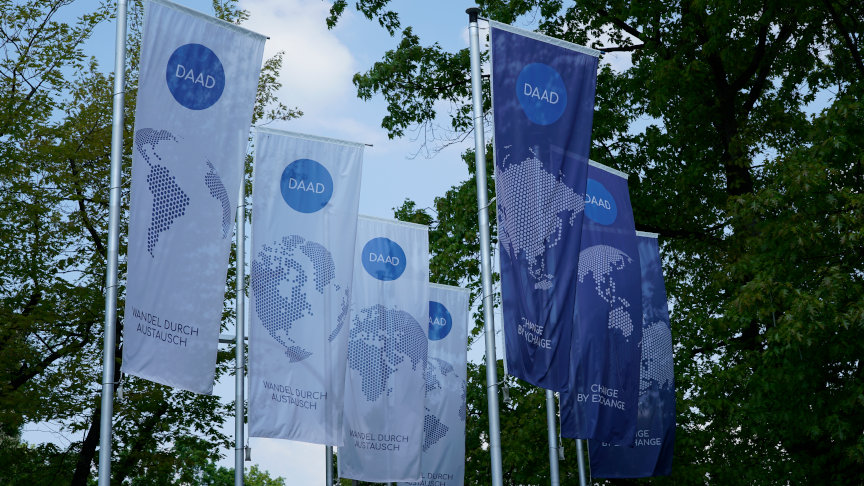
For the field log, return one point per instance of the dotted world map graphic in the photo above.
(657, 362)
(217, 190)
(283, 275)
(170, 201)
(602, 262)
(533, 208)
(381, 342)
(439, 377)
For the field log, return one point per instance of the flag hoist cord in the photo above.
(485, 260)
(110, 329)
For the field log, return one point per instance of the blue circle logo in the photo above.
(440, 321)
(599, 204)
(306, 185)
(195, 76)
(541, 93)
(384, 259)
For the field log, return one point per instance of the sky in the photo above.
(317, 69)
(316, 77)
(318, 66)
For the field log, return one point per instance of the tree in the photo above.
(223, 476)
(55, 119)
(37, 50)
(756, 199)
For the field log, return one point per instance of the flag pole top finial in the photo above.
(473, 13)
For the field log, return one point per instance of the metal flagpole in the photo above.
(329, 464)
(483, 217)
(580, 460)
(239, 334)
(505, 388)
(553, 438)
(107, 410)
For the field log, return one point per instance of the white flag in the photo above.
(443, 458)
(304, 220)
(196, 91)
(384, 386)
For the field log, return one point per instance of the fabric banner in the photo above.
(196, 90)
(443, 458)
(307, 190)
(651, 454)
(387, 349)
(601, 401)
(543, 106)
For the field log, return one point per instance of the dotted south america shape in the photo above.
(169, 200)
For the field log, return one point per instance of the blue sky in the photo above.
(317, 71)
(316, 77)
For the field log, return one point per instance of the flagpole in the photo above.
(239, 335)
(580, 460)
(110, 330)
(554, 475)
(328, 461)
(483, 217)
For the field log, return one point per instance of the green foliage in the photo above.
(413, 79)
(222, 476)
(371, 9)
(55, 131)
(25, 465)
(757, 202)
(454, 239)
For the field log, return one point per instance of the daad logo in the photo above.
(599, 204)
(195, 76)
(306, 185)
(384, 259)
(440, 321)
(541, 93)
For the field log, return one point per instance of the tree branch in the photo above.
(94, 235)
(26, 372)
(622, 48)
(88, 449)
(143, 440)
(701, 234)
(847, 37)
(621, 24)
(761, 81)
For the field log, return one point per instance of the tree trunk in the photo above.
(88, 450)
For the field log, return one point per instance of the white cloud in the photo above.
(317, 67)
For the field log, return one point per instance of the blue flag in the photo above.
(601, 401)
(651, 454)
(543, 104)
